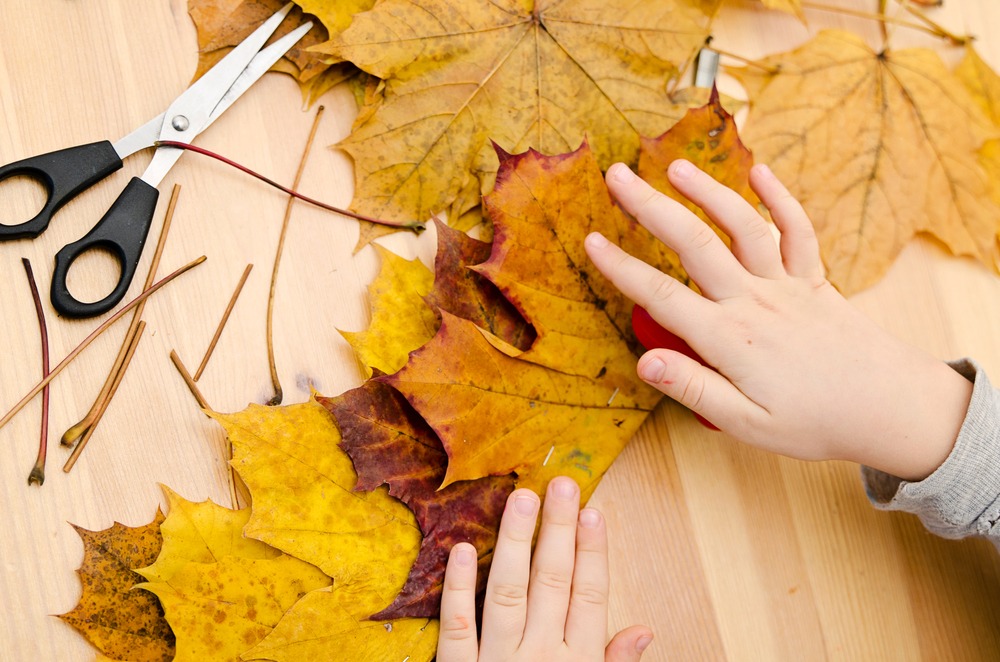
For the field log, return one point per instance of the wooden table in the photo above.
(726, 552)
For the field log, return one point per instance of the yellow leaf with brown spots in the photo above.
(121, 622)
(201, 532)
(542, 74)
(304, 503)
(878, 147)
(338, 631)
(220, 610)
(400, 320)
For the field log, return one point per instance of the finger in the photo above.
(699, 388)
(706, 258)
(587, 621)
(457, 640)
(752, 242)
(506, 602)
(552, 565)
(674, 306)
(799, 246)
(628, 645)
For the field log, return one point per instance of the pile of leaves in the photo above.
(513, 361)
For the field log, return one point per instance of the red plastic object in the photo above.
(654, 336)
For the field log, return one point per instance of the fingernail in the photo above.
(622, 173)
(525, 505)
(643, 643)
(590, 518)
(564, 488)
(652, 370)
(764, 171)
(596, 240)
(465, 556)
(681, 169)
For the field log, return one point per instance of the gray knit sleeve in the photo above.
(962, 497)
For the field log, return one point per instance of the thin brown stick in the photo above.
(234, 496)
(275, 381)
(182, 369)
(93, 335)
(935, 30)
(222, 323)
(76, 431)
(129, 352)
(37, 474)
(746, 60)
(956, 40)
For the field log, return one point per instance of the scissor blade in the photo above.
(257, 68)
(190, 113)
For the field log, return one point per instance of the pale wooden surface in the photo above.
(726, 552)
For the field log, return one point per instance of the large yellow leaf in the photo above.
(219, 610)
(331, 625)
(201, 532)
(878, 147)
(524, 74)
(304, 503)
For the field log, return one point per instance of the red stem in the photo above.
(322, 205)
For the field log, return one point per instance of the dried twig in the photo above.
(37, 474)
(93, 335)
(222, 323)
(275, 381)
(129, 352)
(75, 432)
(182, 369)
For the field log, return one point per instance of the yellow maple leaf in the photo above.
(219, 610)
(304, 503)
(400, 320)
(523, 74)
(338, 631)
(878, 147)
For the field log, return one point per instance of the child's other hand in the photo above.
(552, 608)
(798, 370)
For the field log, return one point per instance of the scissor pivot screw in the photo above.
(180, 123)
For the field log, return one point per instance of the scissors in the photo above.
(122, 230)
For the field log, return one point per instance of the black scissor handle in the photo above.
(122, 231)
(64, 173)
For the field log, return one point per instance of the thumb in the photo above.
(627, 645)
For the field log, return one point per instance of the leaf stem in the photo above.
(71, 435)
(746, 60)
(930, 27)
(119, 375)
(222, 323)
(956, 40)
(93, 336)
(413, 225)
(37, 474)
(269, 335)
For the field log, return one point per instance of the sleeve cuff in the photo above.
(962, 497)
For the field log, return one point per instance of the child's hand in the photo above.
(549, 609)
(799, 370)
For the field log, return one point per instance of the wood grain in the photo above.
(727, 552)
